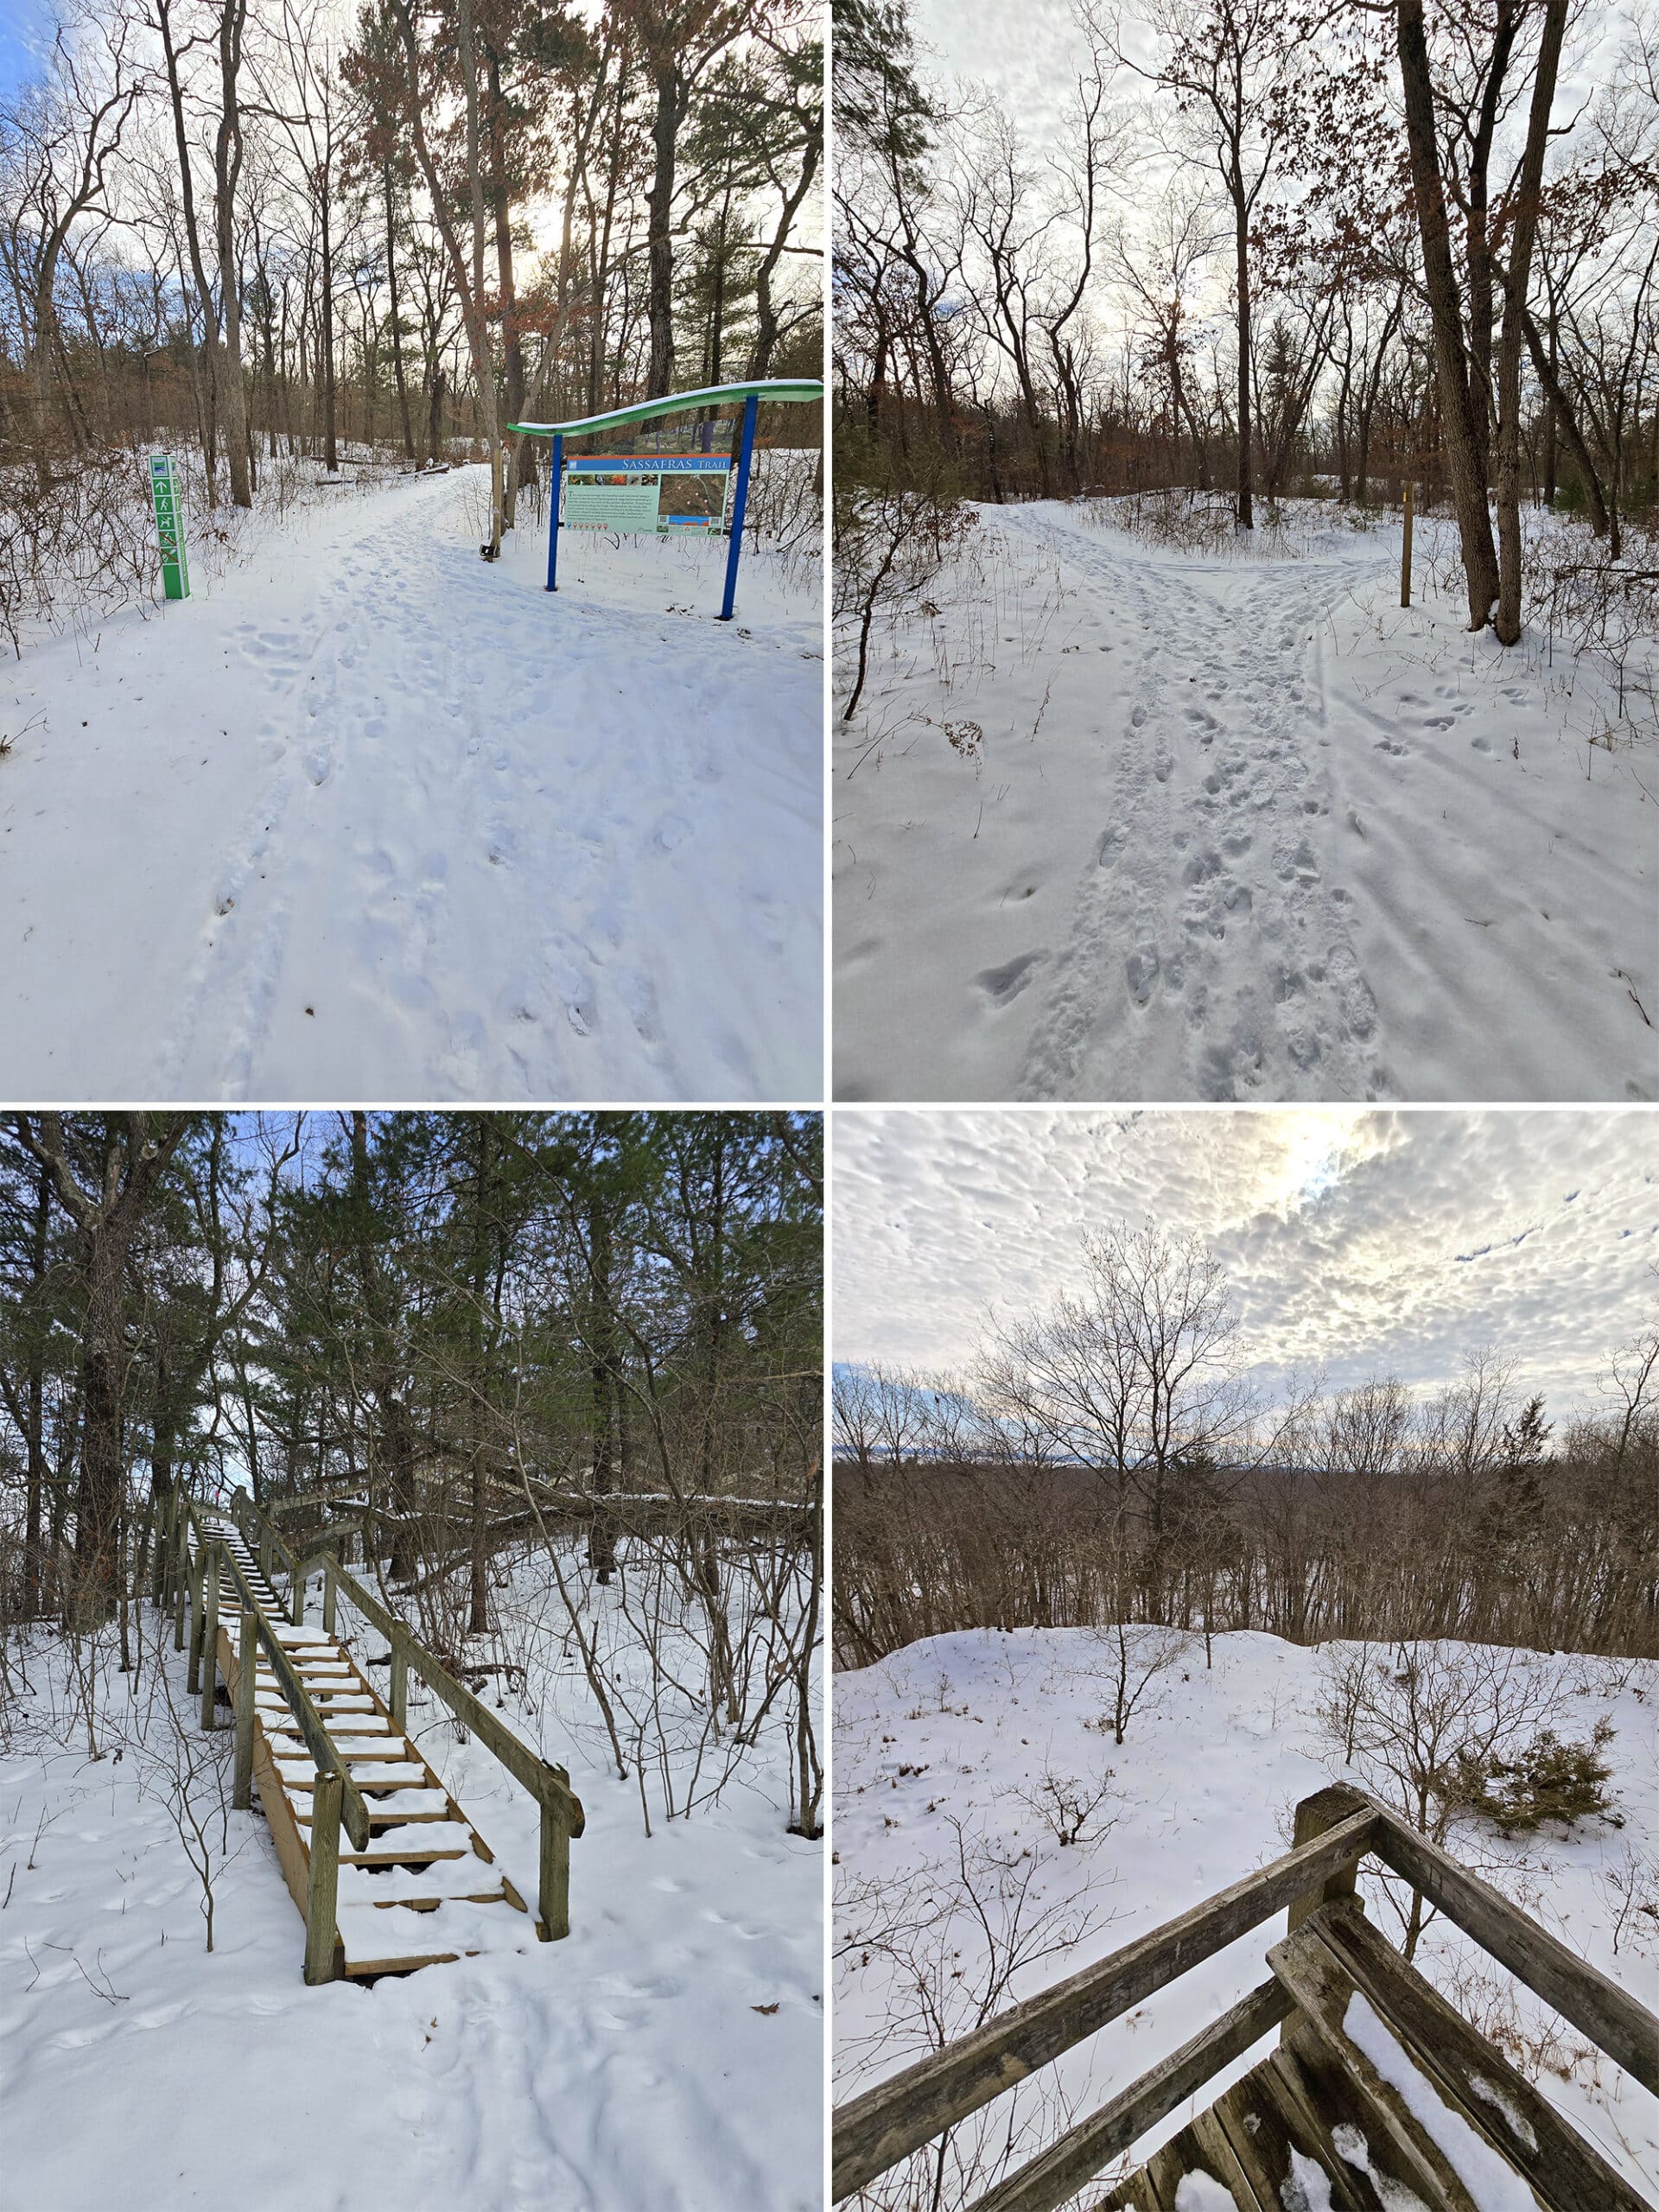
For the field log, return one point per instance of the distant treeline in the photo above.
(1559, 1553)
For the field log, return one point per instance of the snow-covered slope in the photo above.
(1125, 822)
(368, 817)
(668, 2053)
(941, 1756)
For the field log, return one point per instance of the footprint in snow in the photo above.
(1006, 982)
(1140, 972)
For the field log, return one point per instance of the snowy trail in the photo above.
(1232, 830)
(440, 836)
(1146, 995)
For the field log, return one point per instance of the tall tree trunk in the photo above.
(602, 1531)
(325, 337)
(227, 166)
(1458, 431)
(1246, 508)
(1523, 231)
(396, 327)
(659, 203)
(522, 470)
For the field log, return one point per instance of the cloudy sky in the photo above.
(1361, 1242)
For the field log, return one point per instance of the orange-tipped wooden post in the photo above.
(1405, 552)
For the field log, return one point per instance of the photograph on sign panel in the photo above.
(411, 552)
(1247, 550)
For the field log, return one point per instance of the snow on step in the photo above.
(410, 1840)
(302, 1772)
(471, 1876)
(404, 1804)
(369, 1933)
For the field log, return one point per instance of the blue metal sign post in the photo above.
(750, 408)
(557, 494)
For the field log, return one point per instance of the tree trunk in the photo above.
(522, 470)
(1459, 430)
(659, 202)
(1242, 253)
(1524, 227)
(397, 327)
(227, 164)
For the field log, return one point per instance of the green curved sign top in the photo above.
(649, 410)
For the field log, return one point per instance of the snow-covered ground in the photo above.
(953, 1737)
(668, 2053)
(365, 817)
(1119, 821)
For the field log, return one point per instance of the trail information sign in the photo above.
(169, 526)
(665, 467)
(624, 492)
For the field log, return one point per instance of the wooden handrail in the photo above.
(1055, 2176)
(1580, 1993)
(1334, 1829)
(896, 2117)
(353, 1810)
(561, 1815)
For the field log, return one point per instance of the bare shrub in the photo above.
(943, 1947)
(1070, 1805)
(890, 549)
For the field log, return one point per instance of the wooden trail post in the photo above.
(242, 1790)
(1325, 1808)
(197, 1582)
(209, 1633)
(323, 1883)
(328, 1594)
(555, 1898)
(399, 1699)
(1405, 551)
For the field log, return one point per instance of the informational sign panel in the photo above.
(624, 492)
(169, 526)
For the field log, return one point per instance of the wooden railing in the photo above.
(561, 1815)
(1334, 1830)
(335, 1797)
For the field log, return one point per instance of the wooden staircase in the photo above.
(387, 1870)
(1378, 2097)
(427, 1888)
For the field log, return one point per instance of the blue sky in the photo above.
(24, 30)
(1358, 1243)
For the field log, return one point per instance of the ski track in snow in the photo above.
(477, 843)
(1265, 837)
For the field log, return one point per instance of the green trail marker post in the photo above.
(169, 526)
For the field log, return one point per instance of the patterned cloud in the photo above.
(1358, 1243)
